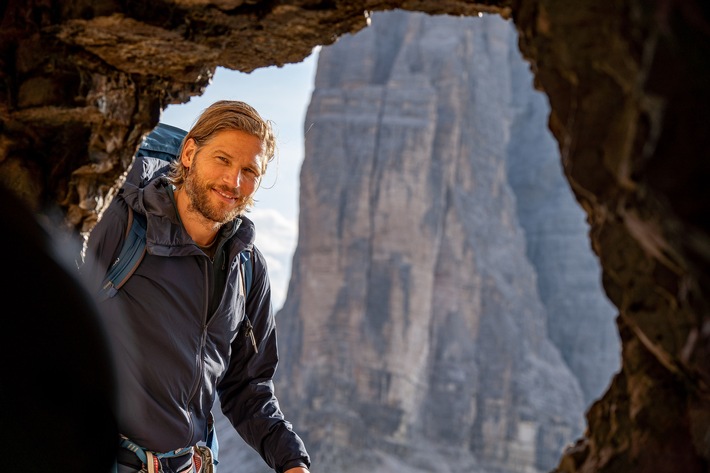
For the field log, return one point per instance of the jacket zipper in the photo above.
(200, 353)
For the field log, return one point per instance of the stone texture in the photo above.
(579, 319)
(628, 89)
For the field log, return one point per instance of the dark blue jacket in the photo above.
(173, 355)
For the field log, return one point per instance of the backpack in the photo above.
(152, 159)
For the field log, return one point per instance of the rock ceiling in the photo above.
(629, 89)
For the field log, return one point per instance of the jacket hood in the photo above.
(165, 233)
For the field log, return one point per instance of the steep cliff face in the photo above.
(579, 317)
(627, 84)
(414, 322)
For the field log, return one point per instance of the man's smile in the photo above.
(226, 195)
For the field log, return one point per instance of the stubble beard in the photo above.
(199, 192)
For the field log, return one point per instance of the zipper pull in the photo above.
(250, 334)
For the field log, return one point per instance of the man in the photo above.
(179, 326)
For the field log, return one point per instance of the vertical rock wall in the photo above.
(414, 330)
(580, 317)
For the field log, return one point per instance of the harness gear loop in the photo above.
(152, 459)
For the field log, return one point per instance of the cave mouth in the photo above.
(627, 86)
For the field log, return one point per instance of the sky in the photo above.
(279, 94)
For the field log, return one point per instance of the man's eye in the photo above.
(223, 159)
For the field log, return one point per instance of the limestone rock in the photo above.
(414, 322)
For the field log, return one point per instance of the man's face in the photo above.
(223, 174)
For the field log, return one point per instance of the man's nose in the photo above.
(234, 178)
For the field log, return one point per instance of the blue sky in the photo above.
(280, 94)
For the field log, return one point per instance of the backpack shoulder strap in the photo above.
(245, 258)
(246, 270)
(129, 258)
(158, 149)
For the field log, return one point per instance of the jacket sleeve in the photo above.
(246, 391)
(104, 243)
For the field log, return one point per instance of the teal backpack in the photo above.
(152, 159)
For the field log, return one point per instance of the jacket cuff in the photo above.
(295, 463)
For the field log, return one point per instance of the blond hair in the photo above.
(226, 115)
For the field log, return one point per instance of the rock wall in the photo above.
(580, 319)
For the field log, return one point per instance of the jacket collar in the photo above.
(165, 232)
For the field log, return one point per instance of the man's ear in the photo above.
(188, 152)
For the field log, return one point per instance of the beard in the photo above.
(199, 191)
